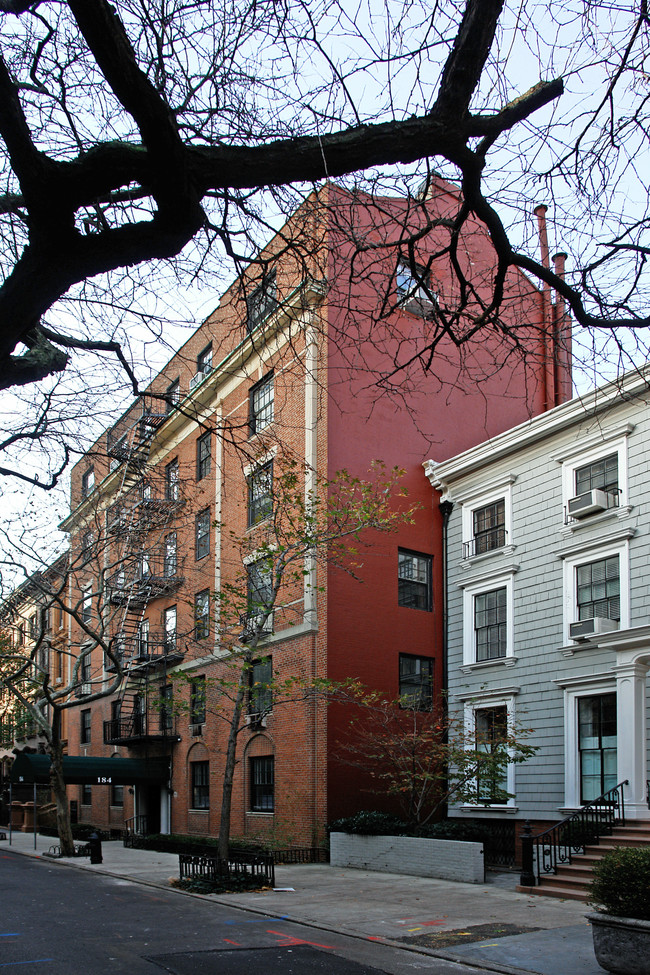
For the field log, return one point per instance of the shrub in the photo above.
(621, 884)
(180, 843)
(370, 823)
(449, 829)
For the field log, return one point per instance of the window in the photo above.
(20, 635)
(173, 395)
(117, 795)
(413, 287)
(170, 558)
(262, 784)
(597, 744)
(601, 473)
(200, 775)
(204, 360)
(491, 729)
(490, 624)
(261, 405)
(489, 527)
(416, 682)
(170, 629)
(260, 690)
(261, 302)
(87, 543)
(87, 606)
(85, 668)
(203, 455)
(172, 479)
(84, 735)
(260, 586)
(414, 580)
(167, 708)
(143, 639)
(260, 494)
(598, 589)
(202, 615)
(197, 700)
(33, 628)
(87, 482)
(86, 795)
(202, 533)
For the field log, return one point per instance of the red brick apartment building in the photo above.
(168, 505)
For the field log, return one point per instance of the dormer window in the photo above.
(413, 287)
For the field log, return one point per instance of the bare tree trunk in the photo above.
(229, 769)
(57, 785)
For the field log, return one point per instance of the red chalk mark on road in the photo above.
(374, 938)
(429, 924)
(229, 942)
(288, 939)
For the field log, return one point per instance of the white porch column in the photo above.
(631, 736)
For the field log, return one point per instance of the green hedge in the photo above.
(371, 823)
(621, 884)
(180, 843)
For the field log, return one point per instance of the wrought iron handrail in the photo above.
(553, 847)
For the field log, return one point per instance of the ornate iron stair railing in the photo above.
(544, 853)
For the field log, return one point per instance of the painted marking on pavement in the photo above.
(33, 961)
(371, 937)
(288, 939)
(229, 942)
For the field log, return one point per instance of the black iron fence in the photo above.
(307, 854)
(256, 866)
(544, 853)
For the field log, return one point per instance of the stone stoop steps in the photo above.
(571, 881)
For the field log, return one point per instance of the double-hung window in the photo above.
(171, 555)
(491, 728)
(202, 615)
(202, 533)
(197, 700)
(260, 409)
(598, 589)
(203, 455)
(87, 605)
(415, 682)
(204, 360)
(260, 691)
(261, 302)
(170, 629)
(414, 580)
(173, 395)
(200, 774)
(491, 624)
(489, 527)
(87, 482)
(172, 481)
(262, 773)
(601, 473)
(87, 546)
(167, 708)
(84, 736)
(259, 579)
(260, 494)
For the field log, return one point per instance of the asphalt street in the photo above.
(61, 921)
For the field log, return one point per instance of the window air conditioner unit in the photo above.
(583, 629)
(196, 730)
(255, 720)
(588, 504)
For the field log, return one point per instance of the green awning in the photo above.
(89, 770)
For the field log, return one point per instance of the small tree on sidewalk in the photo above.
(329, 524)
(421, 756)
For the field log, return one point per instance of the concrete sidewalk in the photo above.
(388, 908)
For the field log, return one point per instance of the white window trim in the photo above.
(469, 635)
(622, 549)
(477, 703)
(581, 687)
(589, 453)
(471, 503)
(260, 462)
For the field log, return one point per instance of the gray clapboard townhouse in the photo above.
(548, 600)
